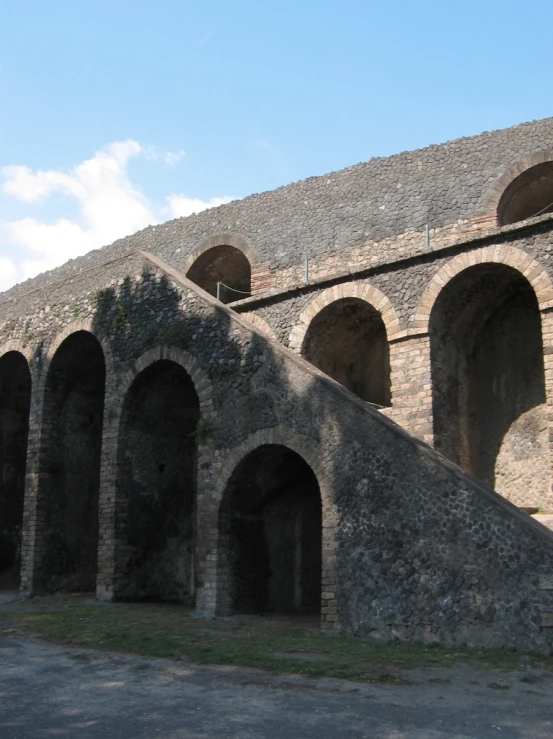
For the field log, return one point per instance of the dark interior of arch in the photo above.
(271, 521)
(225, 264)
(157, 483)
(528, 195)
(487, 363)
(70, 464)
(15, 403)
(347, 340)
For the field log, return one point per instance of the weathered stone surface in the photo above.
(411, 547)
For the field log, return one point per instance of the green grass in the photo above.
(278, 645)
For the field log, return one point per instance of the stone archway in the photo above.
(524, 190)
(224, 259)
(15, 403)
(156, 485)
(488, 383)
(510, 256)
(345, 332)
(69, 465)
(270, 534)
(216, 594)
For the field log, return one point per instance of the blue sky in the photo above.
(119, 114)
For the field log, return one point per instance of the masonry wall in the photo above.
(363, 216)
(524, 442)
(411, 547)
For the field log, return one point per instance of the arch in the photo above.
(222, 240)
(371, 295)
(189, 363)
(344, 335)
(13, 345)
(69, 463)
(260, 324)
(15, 406)
(498, 188)
(276, 437)
(224, 258)
(510, 256)
(156, 485)
(128, 548)
(488, 380)
(87, 325)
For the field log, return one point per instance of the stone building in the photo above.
(302, 401)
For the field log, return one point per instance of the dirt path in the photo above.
(47, 690)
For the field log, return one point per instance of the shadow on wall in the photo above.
(488, 381)
(15, 404)
(270, 522)
(347, 340)
(395, 524)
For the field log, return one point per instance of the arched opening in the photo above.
(488, 381)
(530, 194)
(270, 529)
(157, 485)
(15, 404)
(347, 340)
(227, 265)
(69, 466)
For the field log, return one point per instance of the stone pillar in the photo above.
(210, 577)
(32, 529)
(108, 502)
(547, 339)
(262, 278)
(411, 385)
(329, 574)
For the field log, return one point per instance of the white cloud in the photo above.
(181, 205)
(172, 157)
(110, 207)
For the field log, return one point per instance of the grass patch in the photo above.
(279, 645)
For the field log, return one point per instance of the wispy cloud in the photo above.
(109, 207)
(172, 157)
(209, 34)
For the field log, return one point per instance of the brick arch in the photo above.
(14, 345)
(221, 240)
(493, 196)
(86, 324)
(260, 324)
(360, 290)
(199, 378)
(284, 437)
(507, 255)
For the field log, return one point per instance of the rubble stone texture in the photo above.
(183, 448)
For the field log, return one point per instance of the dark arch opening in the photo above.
(15, 404)
(157, 485)
(347, 340)
(225, 264)
(488, 381)
(530, 194)
(270, 527)
(69, 466)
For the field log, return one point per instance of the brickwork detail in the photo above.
(369, 294)
(413, 548)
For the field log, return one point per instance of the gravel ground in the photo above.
(52, 691)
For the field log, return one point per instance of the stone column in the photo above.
(547, 339)
(411, 385)
(31, 534)
(108, 501)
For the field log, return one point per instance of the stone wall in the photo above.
(412, 548)
(519, 452)
(363, 216)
